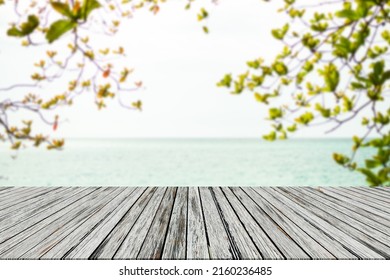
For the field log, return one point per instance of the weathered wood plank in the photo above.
(315, 232)
(24, 210)
(176, 240)
(36, 221)
(93, 221)
(264, 244)
(109, 246)
(308, 243)
(59, 231)
(89, 243)
(366, 193)
(373, 197)
(4, 190)
(361, 203)
(152, 247)
(132, 244)
(325, 223)
(376, 191)
(14, 191)
(195, 223)
(22, 196)
(374, 221)
(281, 239)
(383, 189)
(239, 237)
(197, 248)
(75, 208)
(37, 244)
(368, 236)
(218, 241)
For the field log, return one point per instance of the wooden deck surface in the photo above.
(194, 223)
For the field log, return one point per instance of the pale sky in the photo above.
(180, 67)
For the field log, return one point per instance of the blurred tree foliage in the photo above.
(333, 68)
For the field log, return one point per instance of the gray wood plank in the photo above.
(197, 248)
(85, 248)
(4, 190)
(153, 245)
(45, 239)
(365, 195)
(374, 221)
(372, 196)
(264, 244)
(19, 197)
(176, 240)
(369, 236)
(109, 246)
(76, 206)
(218, 241)
(286, 245)
(323, 238)
(26, 209)
(10, 192)
(362, 202)
(325, 222)
(377, 192)
(239, 237)
(345, 199)
(383, 189)
(36, 221)
(78, 234)
(131, 245)
(298, 233)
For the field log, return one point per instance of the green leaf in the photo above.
(331, 77)
(275, 113)
(371, 177)
(280, 68)
(88, 7)
(226, 81)
(62, 8)
(59, 28)
(26, 28)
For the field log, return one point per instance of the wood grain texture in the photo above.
(366, 235)
(194, 223)
(176, 241)
(266, 247)
(25, 210)
(49, 235)
(197, 248)
(326, 223)
(17, 232)
(90, 242)
(238, 235)
(375, 222)
(219, 245)
(287, 246)
(133, 242)
(309, 244)
(79, 233)
(327, 241)
(110, 245)
(152, 247)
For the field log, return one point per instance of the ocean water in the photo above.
(179, 162)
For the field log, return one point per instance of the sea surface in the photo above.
(179, 162)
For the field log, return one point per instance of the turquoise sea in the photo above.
(179, 162)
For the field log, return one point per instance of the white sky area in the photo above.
(180, 67)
